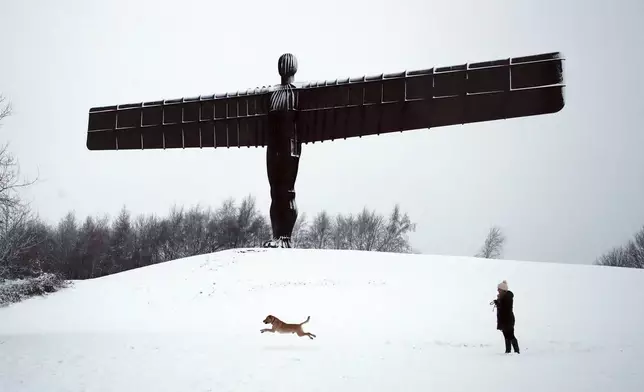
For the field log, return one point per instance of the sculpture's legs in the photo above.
(282, 161)
(282, 170)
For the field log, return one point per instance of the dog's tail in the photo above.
(306, 321)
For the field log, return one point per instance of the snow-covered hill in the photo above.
(383, 322)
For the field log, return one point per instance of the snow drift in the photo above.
(383, 322)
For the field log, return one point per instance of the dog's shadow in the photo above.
(290, 348)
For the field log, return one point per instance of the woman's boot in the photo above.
(515, 345)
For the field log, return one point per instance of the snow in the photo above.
(383, 322)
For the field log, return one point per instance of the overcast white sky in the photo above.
(564, 187)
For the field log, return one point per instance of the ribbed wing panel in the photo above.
(461, 94)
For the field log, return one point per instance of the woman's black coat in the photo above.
(504, 312)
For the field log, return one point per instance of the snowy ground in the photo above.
(384, 322)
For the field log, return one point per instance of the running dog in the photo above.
(281, 327)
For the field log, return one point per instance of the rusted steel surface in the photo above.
(339, 109)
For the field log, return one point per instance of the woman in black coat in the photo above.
(505, 316)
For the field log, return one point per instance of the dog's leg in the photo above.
(302, 333)
(267, 330)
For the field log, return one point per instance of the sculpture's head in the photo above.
(287, 67)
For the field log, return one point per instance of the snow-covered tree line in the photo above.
(366, 230)
(93, 247)
(629, 255)
(17, 236)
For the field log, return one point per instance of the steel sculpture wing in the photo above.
(486, 91)
(221, 120)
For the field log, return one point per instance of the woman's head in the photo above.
(502, 287)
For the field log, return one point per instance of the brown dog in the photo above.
(281, 327)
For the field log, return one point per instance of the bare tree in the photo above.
(394, 233)
(10, 181)
(67, 235)
(170, 235)
(16, 239)
(369, 227)
(242, 226)
(615, 257)
(343, 232)
(15, 216)
(93, 247)
(318, 235)
(630, 255)
(298, 238)
(367, 230)
(194, 232)
(5, 107)
(493, 246)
